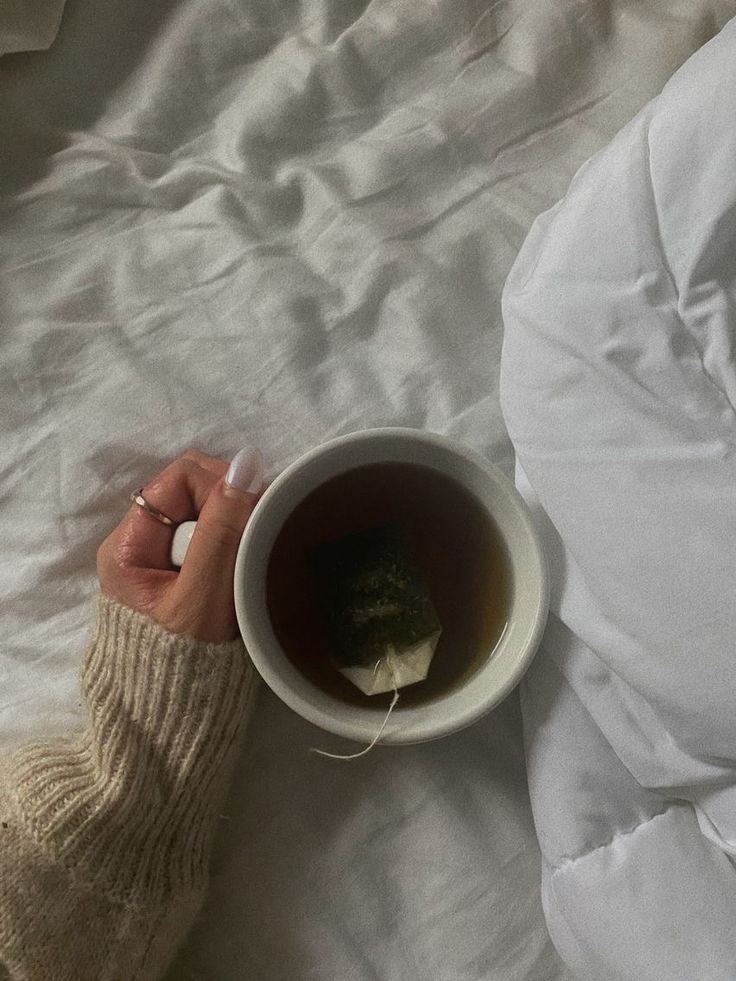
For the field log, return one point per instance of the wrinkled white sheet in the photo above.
(245, 221)
(618, 383)
(29, 25)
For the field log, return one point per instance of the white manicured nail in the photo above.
(246, 471)
(180, 544)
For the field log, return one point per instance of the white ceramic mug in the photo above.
(491, 681)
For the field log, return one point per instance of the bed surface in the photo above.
(248, 222)
(617, 385)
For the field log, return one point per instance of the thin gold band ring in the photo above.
(138, 498)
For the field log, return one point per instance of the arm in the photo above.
(105, 837)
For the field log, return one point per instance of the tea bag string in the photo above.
(354, 756)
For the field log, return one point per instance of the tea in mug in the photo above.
(453, 542)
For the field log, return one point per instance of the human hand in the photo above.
(133, 563)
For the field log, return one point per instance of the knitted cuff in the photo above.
(131, 804)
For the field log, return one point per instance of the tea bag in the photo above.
(382, 628)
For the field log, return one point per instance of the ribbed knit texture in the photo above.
(105, 838)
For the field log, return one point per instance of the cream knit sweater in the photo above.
(105, 837)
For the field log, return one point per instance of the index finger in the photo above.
(214, 464)
(179, 492)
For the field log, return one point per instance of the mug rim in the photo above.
(448, 712)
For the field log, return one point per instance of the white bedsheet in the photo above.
(245, 221)
(29, 25)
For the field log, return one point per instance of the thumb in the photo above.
(206, 577)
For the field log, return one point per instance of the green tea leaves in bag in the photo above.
(381, 626)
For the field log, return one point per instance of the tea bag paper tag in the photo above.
(373, 742)
(397, 668)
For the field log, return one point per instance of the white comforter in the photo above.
(619, 386)
(229, 221)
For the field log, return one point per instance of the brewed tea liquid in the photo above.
(454, 542)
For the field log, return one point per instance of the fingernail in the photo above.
(246, 471)
(180, 543)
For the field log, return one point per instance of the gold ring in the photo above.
(138, 498)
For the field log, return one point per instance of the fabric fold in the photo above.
(29, 25)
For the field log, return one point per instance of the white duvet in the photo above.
(230, 221)
(619, 388)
